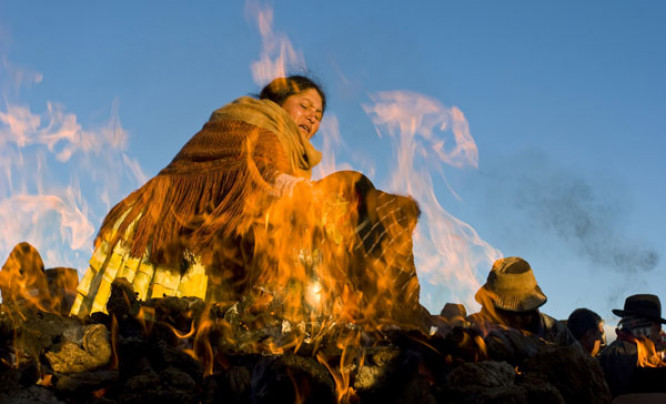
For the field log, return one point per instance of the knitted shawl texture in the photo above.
(202, 195)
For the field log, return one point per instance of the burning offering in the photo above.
(231, 276)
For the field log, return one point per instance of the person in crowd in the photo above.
(453, 313)
(588, 328)
(640, 324)
(511, 298)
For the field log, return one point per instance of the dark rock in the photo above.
(169, 386)
(290, 378)
(483, 374)
(574, 373)
(239, 379)
(30, 395)
(83, 384)
(35, 332)
(407, 369)
(21, 375)
(487, 395)
(123, 301)
(511, 346)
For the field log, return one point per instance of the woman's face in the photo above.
(305, 109)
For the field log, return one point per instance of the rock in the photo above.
(574, 373)
(94, 352)
(82, 384)
(483, 374)
(30, 395)
(511, 346)
(290, 378)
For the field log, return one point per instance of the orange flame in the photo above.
(22, 278)
(114, 343)
(342, 373)
(648, 356)
(45, 380)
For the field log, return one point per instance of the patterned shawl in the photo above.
(201, 195)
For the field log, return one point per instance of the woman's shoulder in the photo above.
(246, 109)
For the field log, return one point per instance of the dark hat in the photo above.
(644, 306)
(511, 286)
(453, 310)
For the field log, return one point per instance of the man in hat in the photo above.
(511, 298)
(641, 320)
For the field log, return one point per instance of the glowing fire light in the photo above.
(447, 250)
(305, 275)
(35, 204)
(648, 356)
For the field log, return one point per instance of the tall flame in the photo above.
(38, 151)
(425, 135)
(277, 53)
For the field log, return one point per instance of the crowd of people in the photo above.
(511, 298)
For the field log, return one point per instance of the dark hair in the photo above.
(581, 320)
(282, 88)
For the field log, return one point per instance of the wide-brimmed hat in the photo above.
(511, 286)
(643, 306)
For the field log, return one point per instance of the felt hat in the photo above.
(511, 286)
(643, 306)
(453, 310)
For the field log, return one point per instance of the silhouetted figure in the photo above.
(641, 323)
(511, 298)
(588, 328)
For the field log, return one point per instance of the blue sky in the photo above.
(566, 103)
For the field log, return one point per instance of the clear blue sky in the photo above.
(566, 102)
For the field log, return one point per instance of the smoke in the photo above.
(551, 200)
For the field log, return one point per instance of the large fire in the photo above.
(334, 269)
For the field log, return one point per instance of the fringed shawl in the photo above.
(201, 195)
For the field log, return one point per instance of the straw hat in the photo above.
(643, 306)
(511, 286)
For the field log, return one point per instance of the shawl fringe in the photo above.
(202, 195)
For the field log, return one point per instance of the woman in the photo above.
(187, 231)
(234, 218)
